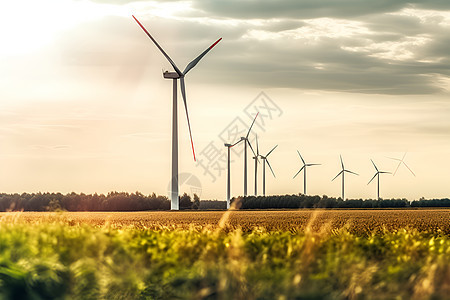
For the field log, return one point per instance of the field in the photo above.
(331, 254)
(355, 221)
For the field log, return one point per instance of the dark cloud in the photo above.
(307, 9)
(360, 62)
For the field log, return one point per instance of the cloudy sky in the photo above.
(84, 106)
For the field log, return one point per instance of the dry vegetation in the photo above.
(355, 221)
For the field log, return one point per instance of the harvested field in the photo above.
(355, 221)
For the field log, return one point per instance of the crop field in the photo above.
(355, 221)
(306, 254)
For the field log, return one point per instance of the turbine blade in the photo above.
(351, 172)
(298, 172)
(248, 133)
(404, 156)
(236, 143)
(198, 58)
(251, 148)
(374, 165)
(301, 157)
(183, 93)
(312, 165)
(398, 166)
(372, 178)
(383, 172)
(257, 146)
(408, 168)
(271, 150)
(337, 175)
(393, 158)
(268, 163)
(342, 163)
(159, 47)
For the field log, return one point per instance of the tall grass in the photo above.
(53, 260)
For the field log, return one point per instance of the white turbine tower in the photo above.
(343, 172)
(265, 160)
(400, 162)
(377, 174)
(303, 168)
(256, 166)
(175, 76)
(229, 173)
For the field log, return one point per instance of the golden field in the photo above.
(356, 221)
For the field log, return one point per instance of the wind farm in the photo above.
(101, 198)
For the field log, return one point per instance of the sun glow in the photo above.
(28, 25)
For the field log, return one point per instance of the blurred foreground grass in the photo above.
(53, 260)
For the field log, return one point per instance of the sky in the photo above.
(84, 106)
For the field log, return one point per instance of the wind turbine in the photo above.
(175, 76)
(401, 161)
(228, 175)
(246, 141)
(343, 172)
(377, 174)
(256, 166)
(265, 160)
(305, 165)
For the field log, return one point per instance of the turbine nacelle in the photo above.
(171, 75)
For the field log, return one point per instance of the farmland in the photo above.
(355, 221)
(305, 254)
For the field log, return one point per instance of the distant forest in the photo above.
(121, 201)
(304, 201)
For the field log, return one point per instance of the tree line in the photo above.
(113, 201)
(305, 201)
(122, 201)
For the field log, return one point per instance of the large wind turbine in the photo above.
(401, 161)
(256, 166)
(343, 172)
(246, 141)
(377, 174)
(264, 158)
(228, 175)
(175, 76)
(305, 165)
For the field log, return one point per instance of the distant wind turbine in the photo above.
(377, 174)
(303, 168)
(401, 161)
(228, 174)
(246, 141)
(175, 76)
(342, 172)
(265, 160)
(256, 166)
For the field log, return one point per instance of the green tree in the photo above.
(196, 203)
(185, 201)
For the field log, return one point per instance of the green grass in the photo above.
(53, 260)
